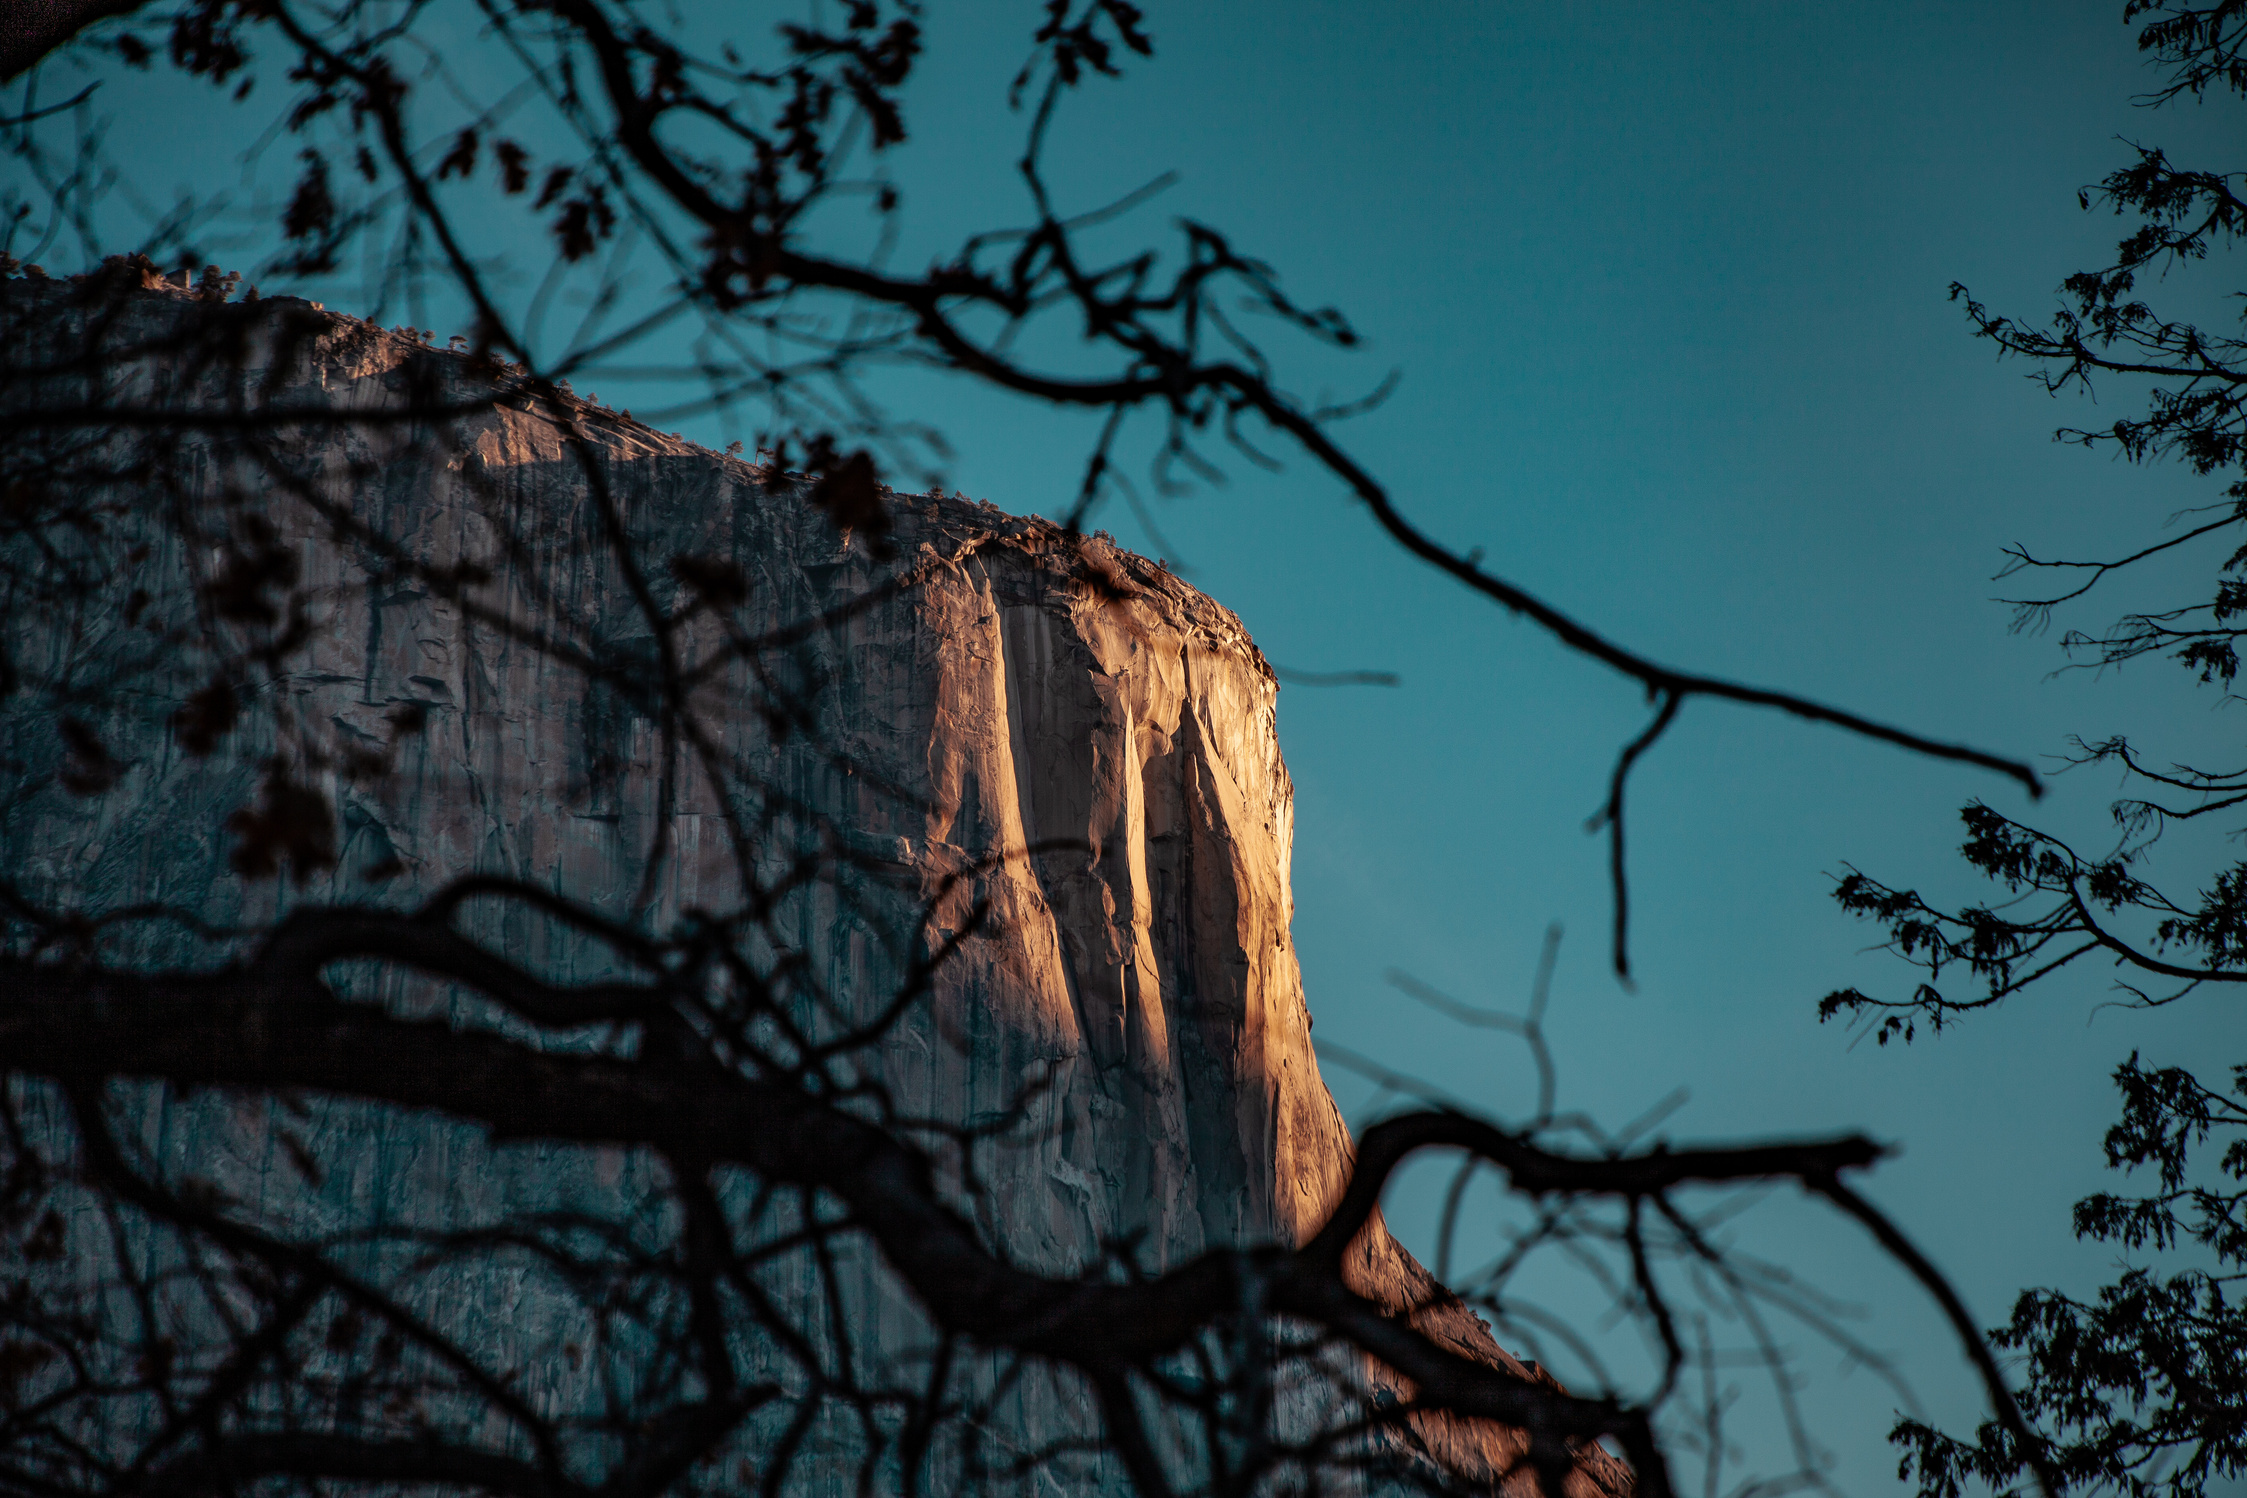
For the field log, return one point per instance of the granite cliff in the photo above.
(1053, 751)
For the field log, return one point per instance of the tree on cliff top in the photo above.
(668, 183)
(2141, 1389)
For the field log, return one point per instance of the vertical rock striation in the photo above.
(979, 713)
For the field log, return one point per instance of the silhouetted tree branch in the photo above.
(2137, 1390)
(208, 522)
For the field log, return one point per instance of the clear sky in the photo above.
(1665, 286)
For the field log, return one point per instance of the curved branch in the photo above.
(2138, 959)
(1539, 1172)
(2100, 569)
(268, 1032)
(1612, 816)
(1173, 377)
(308, 941)
(30, 29)
(1931, 1279)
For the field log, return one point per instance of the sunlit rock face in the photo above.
(978, 712)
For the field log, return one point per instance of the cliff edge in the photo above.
(985, 731)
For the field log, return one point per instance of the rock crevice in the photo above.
(1001, 716)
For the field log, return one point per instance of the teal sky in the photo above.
(1665, 287)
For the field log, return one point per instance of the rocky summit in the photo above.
(919, 726)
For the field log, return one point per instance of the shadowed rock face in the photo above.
(998, 715)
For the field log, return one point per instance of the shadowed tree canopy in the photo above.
(2138, 1389)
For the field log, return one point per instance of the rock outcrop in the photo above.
(975, 711)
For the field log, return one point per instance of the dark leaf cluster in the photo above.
(712, 1325)
(2138, 1390)
(2142, 1388)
